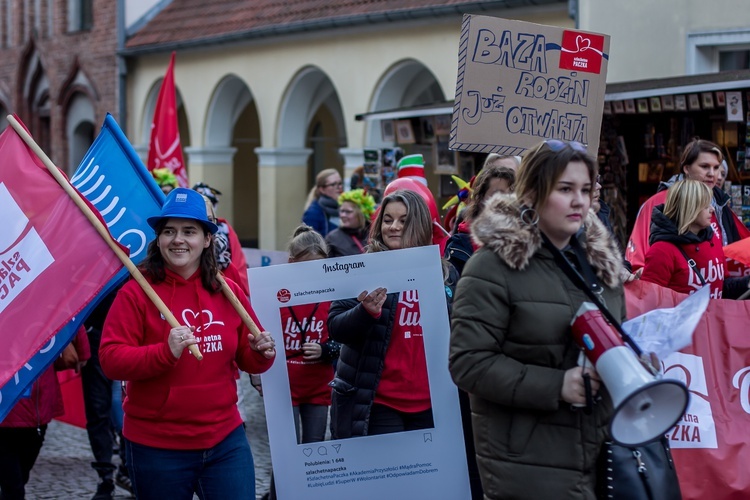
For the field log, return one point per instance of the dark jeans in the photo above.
(19, 448)
(385, 420)
(223, 472)
(313, 419)
(97, 397)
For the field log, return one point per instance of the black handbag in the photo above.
(645, 472)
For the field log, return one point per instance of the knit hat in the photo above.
(364, 201)
(412, 166)
(184, 203)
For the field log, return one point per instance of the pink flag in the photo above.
(164, 150)
(709, 444)
(52, 260)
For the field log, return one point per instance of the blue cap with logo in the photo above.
(183, 203)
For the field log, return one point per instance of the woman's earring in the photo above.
(529, 216)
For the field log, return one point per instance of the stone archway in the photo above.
(312, 117)
(228, 160)
(406, 83)
(310, 135)
(36, 100)
(80, 129)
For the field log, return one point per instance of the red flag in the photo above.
(164, 150)
(52, 260)
(709, 444)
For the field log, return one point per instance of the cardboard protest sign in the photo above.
(520, 83)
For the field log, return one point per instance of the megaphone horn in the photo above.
(646, 407)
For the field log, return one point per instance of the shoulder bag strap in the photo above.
(692, 264)
(574, 276)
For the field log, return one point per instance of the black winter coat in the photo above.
(364, 342)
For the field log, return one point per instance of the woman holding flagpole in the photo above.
(183, 429)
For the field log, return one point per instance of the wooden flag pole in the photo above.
(228, 293)
(101, 229)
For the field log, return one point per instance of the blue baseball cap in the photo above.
(183, 203)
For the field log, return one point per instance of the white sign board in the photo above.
(426, 463)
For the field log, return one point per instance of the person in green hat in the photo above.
(350, 238)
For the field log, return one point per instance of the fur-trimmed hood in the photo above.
(499, 228)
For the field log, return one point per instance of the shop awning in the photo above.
(436, 108)
(691, 84)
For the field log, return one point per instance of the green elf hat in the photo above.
(412, 166)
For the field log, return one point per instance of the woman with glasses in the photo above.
(350, 238)
(321, 208)
(701, 161)
(537, 428)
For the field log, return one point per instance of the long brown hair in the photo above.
(417, 226)
(153, 264)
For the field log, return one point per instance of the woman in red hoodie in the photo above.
(184, 432)
(683, 253)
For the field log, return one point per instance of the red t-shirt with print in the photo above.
(403, 384)
(308, 379)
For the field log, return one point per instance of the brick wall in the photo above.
(59, 53)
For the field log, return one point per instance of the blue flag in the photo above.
(112, 178)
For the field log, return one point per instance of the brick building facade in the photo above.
(58, 71)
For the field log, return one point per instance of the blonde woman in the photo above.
(322, 209)
(683, 253)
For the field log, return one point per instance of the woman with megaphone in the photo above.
(511, 346)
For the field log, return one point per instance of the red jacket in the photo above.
(667, 266)
(46, 400)
(178, 403)
(638, 244)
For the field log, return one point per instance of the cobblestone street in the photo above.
(63, 469)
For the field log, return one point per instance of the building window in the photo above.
(718, 51)
(80, 15)
(734, 59)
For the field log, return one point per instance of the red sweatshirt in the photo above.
(666, 266)
(308, 379)
(178, 403)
